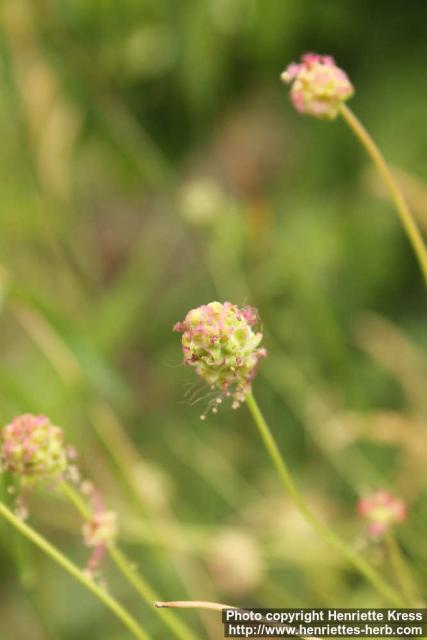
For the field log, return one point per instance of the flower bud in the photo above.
(319, 87)
(222, 343)
(32, 448)
(382, 510)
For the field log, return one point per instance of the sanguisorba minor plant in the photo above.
(321, 89)
(223, 343)
(33, 454)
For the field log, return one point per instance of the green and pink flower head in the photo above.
(99, 530)
(32, 448)
(382, 510)
(318, 86)
(222, 341)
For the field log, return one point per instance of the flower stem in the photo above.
(180, 629)
(121, 613)
(324, 532)
(401, 570)
(411, 228)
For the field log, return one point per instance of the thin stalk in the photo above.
(127, 569)
(192, 604)
(410, 226)
(215, 606)
(107, 599)
(324, 532)
(401, 570)
(178, 627)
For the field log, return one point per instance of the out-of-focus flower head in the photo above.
(32, 448)
(222, 342)
(318, 86)
(235, 562)
(382, 510)
(201, 201)
(100, 529)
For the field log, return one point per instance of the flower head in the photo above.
(234, 560)
(382, 510)
(32, 448)
(319, 87)
(201, 201)
(221, 341)
(100, 529)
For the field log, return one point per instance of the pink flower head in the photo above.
(100, 529)
(319, 87)
(221, 341)
(32, 447)
(382, 510)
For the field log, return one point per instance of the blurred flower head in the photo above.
(221, 341)
(318, 86)
(201, 201)
(32, 448)
(382, 510)
(235, 562)
(100, 529)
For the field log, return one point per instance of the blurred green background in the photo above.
(150, 162)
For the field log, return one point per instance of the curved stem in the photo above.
(401, 570)
(127, 569)
(405, 215)
(121, 613)
(324, 532)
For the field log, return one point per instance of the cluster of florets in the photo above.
(100, 529)
(222, 343)
(382, 510)
(32, 448)
(319, 87)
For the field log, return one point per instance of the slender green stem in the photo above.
(121, 613)
(411, 228)
(401, 570)
(76, 499)
(324, 532)
(178, 627)
(127, 569)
